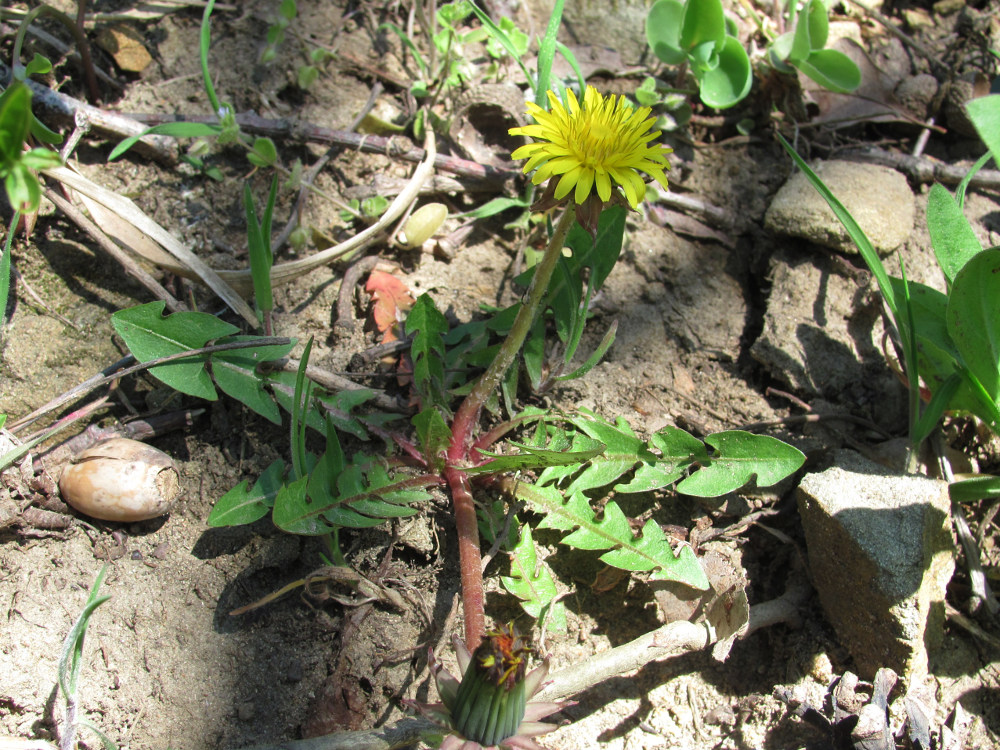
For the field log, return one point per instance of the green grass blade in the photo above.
(204, 42)
(868, 253)
(173, 129)
(300, 408)
(5, 266)
(546, 55)
(570, 58)
(71, 658)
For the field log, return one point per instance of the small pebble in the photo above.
(246, 711)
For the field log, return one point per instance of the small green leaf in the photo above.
(832, 70)
(532, 458)
(15, 122)
(174, 129)
(375, 206)
(38, 66)
(240, 506)
(677, 451)
(23, 190)
(307, 75)
(650, 552)
(295, 514)
(263, 153)
(340, 405)
(704, 23)
(288, 10)
(802, 45)
(818, 23)
(730, 82)
(494, 206)
(433, 436)
(663, 31)
(952, 237)
(740, 457)
(780, 50)
(427, 327)
(40, 158)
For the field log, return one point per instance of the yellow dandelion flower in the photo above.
(587, 147)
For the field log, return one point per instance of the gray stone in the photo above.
(822, 337)
(881, 555)
(879, 199)
(620, 24)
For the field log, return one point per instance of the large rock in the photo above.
(822, 337)
(878, 198)
(881, 555)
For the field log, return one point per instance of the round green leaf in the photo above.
(22, 187)
(819, 25)
(703, 22)
(731, 80)
(832, 70)
(264, 153)
(663, 26)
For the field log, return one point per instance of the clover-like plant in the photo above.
(804, 48)
(697, 33)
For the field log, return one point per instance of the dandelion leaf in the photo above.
(531, 581)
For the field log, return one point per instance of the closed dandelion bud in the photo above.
(491, 698)
(492, 705)
(423, 223)
(121, 480)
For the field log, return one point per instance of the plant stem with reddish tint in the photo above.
(465, 422)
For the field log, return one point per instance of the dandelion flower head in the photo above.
(588, 146)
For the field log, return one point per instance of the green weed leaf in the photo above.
(952, 237)
(739, 458)
(730, 81)
(649, 552)
(531, 581)
(15, 122)
(704, 23)
(532, 458)
(832, 70)
(433, 436)
(663, 31)
(241, 506)
(427, 326)
(985, 115)
(974, 489)
(263, 153)
(974, 318)
(149, 335)
(174, 129)
(236, 373)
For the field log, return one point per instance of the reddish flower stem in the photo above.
(465, 422)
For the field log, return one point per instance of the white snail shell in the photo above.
(423, 223)
(121, 480)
